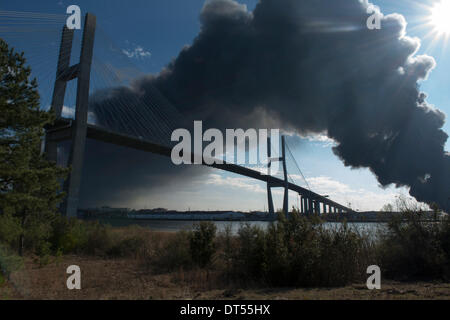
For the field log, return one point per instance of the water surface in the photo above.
(177, 225)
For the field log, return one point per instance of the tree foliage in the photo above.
(29, 184)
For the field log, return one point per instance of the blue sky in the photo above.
(157, 30)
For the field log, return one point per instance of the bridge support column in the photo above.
(286, 182)
(269, 164)
(303, 205)
(79, 130)
(270, 200)
(59, 91)
(82, 71)
(306, 206)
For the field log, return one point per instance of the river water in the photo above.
(177, 225)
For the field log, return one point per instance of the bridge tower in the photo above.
(77, 129)
(269, 165)
(282, 159)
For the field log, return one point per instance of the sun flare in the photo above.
(440, 17)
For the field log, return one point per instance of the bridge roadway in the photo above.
(63, 131)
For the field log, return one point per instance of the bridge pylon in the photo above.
(269, 164)
(282, 159)
(77, 129)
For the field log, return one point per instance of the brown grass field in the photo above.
(126, 279)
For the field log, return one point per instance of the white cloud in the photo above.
(360, 199)
(69, 113)
(236, 182)
(138, 52)
(320, 138)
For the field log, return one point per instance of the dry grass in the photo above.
(127, 279)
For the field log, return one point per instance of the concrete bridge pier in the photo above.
(78, 131)
(286, 182)
(303, 205)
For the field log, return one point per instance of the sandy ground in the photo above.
(127, 279)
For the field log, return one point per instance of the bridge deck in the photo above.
(63, 132)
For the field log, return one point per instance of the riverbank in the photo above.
(125, 278)
(295, 258)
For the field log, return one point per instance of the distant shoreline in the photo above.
(109, 218)
(232, 216)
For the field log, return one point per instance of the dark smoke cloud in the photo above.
(312, 66)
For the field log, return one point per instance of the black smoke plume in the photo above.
(313, 66)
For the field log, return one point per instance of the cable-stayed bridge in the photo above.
(143, 122)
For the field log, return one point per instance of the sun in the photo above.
(440, 17)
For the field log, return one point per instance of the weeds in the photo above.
(295, 252)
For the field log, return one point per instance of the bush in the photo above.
(227, 246)
(173, 255)
(126, 247)
(202, 246)
(300, 252)
(413, 249)
(92, 238)
(62, 235)
(100, 239)
(249, 258)
(68, 235)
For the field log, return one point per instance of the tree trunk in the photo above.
(22, 237)
(21, 240)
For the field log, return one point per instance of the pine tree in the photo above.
(30, 186)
